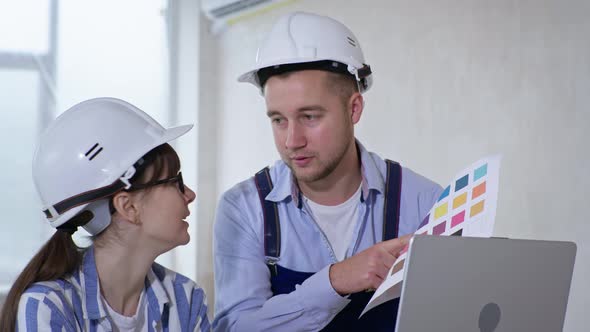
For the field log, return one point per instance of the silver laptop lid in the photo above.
(454, 283)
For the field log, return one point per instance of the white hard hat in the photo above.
(299, 40)
(89, 153)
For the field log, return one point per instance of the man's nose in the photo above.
(295, 136)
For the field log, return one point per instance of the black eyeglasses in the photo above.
(176, 178)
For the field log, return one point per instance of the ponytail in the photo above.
(57, 258)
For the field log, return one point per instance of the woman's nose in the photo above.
(189, 194)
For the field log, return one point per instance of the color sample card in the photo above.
(469, 202)
(466, 207)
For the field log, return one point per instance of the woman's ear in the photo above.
(126, 205)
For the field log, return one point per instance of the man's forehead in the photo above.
(309, 75)
(306, 81)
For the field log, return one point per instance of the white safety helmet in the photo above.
(89, 153)
(299, 40)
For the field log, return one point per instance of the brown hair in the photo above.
(60, 257)
(342, 85)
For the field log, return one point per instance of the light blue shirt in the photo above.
(174, 302)
(244, 300)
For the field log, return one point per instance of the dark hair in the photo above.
(60, 257)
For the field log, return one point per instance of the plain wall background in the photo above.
(453, 81)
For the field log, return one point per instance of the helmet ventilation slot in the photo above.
(351, 41)
(91, 150)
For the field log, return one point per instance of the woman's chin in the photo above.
(186, 239)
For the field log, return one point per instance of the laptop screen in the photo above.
(456, 283)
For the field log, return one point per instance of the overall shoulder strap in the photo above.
(272, 227)
(391, 206)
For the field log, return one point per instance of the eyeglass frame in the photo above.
(173, 179)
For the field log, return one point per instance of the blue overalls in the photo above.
(283, 280)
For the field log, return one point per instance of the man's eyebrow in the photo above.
(311, 108)
(271, 113)
(307, 108)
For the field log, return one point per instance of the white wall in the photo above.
(454, 81)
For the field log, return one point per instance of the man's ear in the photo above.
(356, 104)
(126, 206)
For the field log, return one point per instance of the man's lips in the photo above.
(301, 160)
(299, 157)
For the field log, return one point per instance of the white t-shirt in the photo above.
(337, 222)
(135, 323)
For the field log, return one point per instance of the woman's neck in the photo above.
(122, 272)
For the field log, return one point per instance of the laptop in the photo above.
(454, 283)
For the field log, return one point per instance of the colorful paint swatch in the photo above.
(459, 200)
(479, 190)
(458, 218)
(462, 182)
(476, 208)
(398, 266)
(445, 193)
(440, 228)
(480, 172)
(425, 221)
(441, 210)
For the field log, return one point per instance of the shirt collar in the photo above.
(286, 186)
(157, 297)
(91, 287)
(371, 165)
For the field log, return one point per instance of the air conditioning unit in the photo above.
(223, 13)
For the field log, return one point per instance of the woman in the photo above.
(105, 165)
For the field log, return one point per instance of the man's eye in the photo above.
(311, 117)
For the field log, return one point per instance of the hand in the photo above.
(368, 268)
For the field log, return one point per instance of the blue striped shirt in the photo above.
(174, 302)
(244, 300)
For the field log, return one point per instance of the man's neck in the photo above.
(339, 185)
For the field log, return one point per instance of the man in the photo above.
(302, 245)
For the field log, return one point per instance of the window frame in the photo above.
(44, 65)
